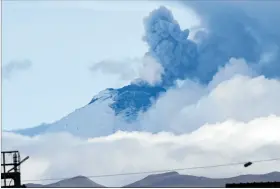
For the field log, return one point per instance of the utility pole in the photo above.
(11, 169)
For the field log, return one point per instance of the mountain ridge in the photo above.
(78, 181)
(177, 180)
(168, 179)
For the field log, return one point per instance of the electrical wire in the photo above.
(158, 171)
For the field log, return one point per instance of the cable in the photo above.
(158, 171)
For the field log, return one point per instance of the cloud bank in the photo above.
(123, 152)
(243, 97)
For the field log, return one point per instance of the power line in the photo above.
(158, 171)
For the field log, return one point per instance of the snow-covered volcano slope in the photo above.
(107, 112)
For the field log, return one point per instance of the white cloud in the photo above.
(232, 68)
(235, 93)
(63, 155)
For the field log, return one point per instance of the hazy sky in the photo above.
(48, 48)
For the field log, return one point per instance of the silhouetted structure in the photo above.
(10, 169)
(255, 185)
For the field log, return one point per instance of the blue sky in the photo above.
(62, 40)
